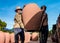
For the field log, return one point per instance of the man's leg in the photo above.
(16, 38)
(41, 35)
(41, 38)
(22, 36)
(46, 34)
(45, 37)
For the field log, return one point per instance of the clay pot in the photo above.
(31, 16)
(34, 36)
(12, 37)
(2, 37)
(27, 37)
(7, 37)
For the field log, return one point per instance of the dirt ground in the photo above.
(48, 41)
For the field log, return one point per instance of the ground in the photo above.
(48, 41)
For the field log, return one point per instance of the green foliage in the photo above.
(2, 24)
(50, 33)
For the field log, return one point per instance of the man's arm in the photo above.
(18, 18)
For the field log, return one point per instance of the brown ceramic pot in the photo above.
(34, 36)
(2, 37)
(31, 16)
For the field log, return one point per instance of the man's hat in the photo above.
(18, 8)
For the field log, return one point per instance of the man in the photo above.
(54, 34)
(18, 26)
(58, 28)
(44, 26)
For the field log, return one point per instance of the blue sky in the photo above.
(7, 8)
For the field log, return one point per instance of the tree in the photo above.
(50, 33)
(2, 25)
